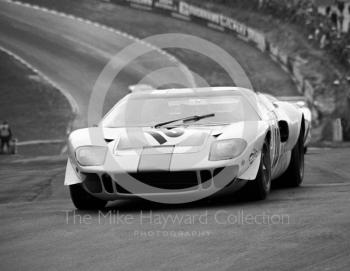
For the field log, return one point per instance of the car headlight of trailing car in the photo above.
(227, 149)
(91, 155)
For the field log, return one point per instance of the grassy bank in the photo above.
(34, 109)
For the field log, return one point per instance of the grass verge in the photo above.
(34, 109)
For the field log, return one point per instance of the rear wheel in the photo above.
(259, 188)
(83, 200)
(294, 175)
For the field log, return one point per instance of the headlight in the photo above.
(227, 149)
(91, 155)
(301, 104)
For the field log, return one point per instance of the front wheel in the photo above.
(294, 175)
(82, 200)
(259, 188)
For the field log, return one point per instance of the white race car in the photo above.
(181, 145)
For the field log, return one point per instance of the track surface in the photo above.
(36, 235)
(41, 231)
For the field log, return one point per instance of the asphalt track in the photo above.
(307, 228)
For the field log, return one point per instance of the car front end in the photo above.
(194, 162)
(169, 145)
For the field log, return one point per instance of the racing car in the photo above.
(181, 145)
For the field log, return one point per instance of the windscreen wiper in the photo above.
(184, 120)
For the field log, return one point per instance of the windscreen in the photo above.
(149, 111)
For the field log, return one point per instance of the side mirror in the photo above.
(284, 130)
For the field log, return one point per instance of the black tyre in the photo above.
(259, 188)
(82, 200)
(294, 175)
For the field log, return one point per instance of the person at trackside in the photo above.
(5, 136)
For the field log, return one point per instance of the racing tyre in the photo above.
(294, 175)
(259, 188)
(82, 200)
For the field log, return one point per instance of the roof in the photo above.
(217, 91)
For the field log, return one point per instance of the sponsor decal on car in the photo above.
(253, 156)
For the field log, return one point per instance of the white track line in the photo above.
(325, 185)
(36, 142)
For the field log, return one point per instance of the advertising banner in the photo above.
(167, 6)
(141, 2)
(233, 25)
(198, 14)
(258, 38)
(212, 19)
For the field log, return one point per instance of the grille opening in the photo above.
(121, 189)
(161, 180)
(222, 177)
(217, 171)
(107, 183)
(206, 178)
(122, 178)
(168, 180)
(92, 183)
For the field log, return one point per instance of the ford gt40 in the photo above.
(181, 145)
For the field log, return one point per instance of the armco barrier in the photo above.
(189, 12)
(258, 38)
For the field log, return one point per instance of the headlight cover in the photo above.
(227, 149)
(91, 155)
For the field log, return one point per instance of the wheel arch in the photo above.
(295, 120)
(268, 137)
(252, 171)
